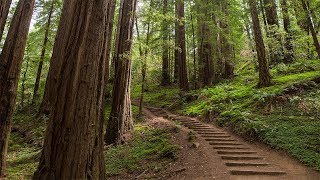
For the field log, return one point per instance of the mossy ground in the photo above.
(292, 125)
(149, 149)
(149, 145)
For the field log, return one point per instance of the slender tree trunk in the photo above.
(264, 74)
(23, 84)
(73, 147)
(120, 124)
(111, 5)
(4, 11)
(289, 53)
(43, 53)
(181, 44)
(144, 57)
(313, 32)
(165, 48)
(194, 53)
(10, 66)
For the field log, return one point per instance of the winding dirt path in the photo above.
(223, 155)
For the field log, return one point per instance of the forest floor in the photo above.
(285, 116)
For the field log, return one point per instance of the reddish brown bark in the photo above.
(181, 45)
(205, 50)
(4, 11)
(10, 66)
(264, 74)
(165, 48)
(120, 124)
(73, 147)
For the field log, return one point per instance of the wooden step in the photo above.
(215, 136)
(230, 147)
(225, 143)
(255, 164)
(235, 152)
(220, 139)
(238, 157)
(257, 172)
(212, 133)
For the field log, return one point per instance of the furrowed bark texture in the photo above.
(4, 11)
(120, 124)
(10, 66)
(73, 147)
(181, 44)
(264, 74)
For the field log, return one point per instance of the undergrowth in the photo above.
(292, 124)
(151, 145)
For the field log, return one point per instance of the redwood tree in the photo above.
(4, 11)
(311, 26)
(206, 67)
(264, 74)
(120, 124)
(165, 48)
(10, 66)
(289, 53)
(73, 147)
(181, 46)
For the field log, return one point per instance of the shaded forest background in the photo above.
(252, 65)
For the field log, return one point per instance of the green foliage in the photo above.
(254, 112)
(148, 144)
(22, 158)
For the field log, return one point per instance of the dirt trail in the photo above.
(223, 155)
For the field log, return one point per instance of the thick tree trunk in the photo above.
(43, 53)
(120, 124)
(264, 74)
(181, 44)
(10, 66)
(195, 81)
(226, 47)
(73, 147)
(165, 48)
(4, 11)
(313, 32)
(289, 53)
(276, 50)
(206, 67)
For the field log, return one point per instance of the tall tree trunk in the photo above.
(264, 74)
(23, 84)
(10, 66)
(73, 147)
(206, 68)
(120, 124)
(111, 6)
(194, 54)
(43, 53)
(313, 32)
(276, 49)
(226, 47)
(144, 56)
(165, 48)
(289, 53)
(181, 44)
(4, 11)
